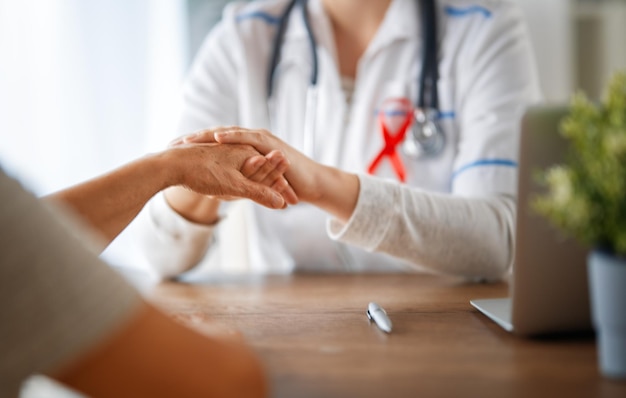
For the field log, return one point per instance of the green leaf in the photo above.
(586, 196)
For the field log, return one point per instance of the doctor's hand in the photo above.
(326, 187)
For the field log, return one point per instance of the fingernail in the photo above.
(277, 201)
(258, 162)
(191, 137)
(282, 183)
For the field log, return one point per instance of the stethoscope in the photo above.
(424, 135)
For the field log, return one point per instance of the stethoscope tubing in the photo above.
(429, 74)
(428, 96)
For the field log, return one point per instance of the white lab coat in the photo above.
(487, 79)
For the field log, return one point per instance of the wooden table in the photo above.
(312, 333)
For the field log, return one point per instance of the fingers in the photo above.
(261, 194)
(175, 142)
(204, 136)
(276, 178)
(286, 191)
(252, 166)
(269, 172)
(265, 170)
(276, 165)
(259, 139)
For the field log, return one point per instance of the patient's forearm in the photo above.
(110, 202)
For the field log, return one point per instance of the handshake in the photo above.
(230, 162)
(198, 171)
(227, 163)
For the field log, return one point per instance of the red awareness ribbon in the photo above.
(392, 140)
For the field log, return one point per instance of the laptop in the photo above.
(548, 291)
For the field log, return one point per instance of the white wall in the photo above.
(578, 44)
(601, 48)
(551, 32)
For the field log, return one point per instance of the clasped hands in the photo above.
(247, 164)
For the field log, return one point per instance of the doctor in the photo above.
(400, 119)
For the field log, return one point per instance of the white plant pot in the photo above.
(607, 287)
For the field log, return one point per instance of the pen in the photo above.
(376, 313)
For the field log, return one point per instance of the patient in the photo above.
(67, 315)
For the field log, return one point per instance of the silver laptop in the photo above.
(548, 291)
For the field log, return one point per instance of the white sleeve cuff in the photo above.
(372, 216)
(172, 244)
(172, 224)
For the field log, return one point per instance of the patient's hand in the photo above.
(214, 170)
(231, 172)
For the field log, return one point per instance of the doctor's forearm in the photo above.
(338, 192)
(468, 237)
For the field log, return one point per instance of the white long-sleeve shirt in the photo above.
(455, 213)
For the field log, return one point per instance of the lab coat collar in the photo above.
(401, 21)
(296, 30)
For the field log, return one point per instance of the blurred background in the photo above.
(88, 85)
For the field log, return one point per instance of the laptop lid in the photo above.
(548, 290)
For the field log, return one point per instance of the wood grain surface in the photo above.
(312, 333)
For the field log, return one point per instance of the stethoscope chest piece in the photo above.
(426, 137)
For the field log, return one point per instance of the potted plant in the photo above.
(586, 198)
